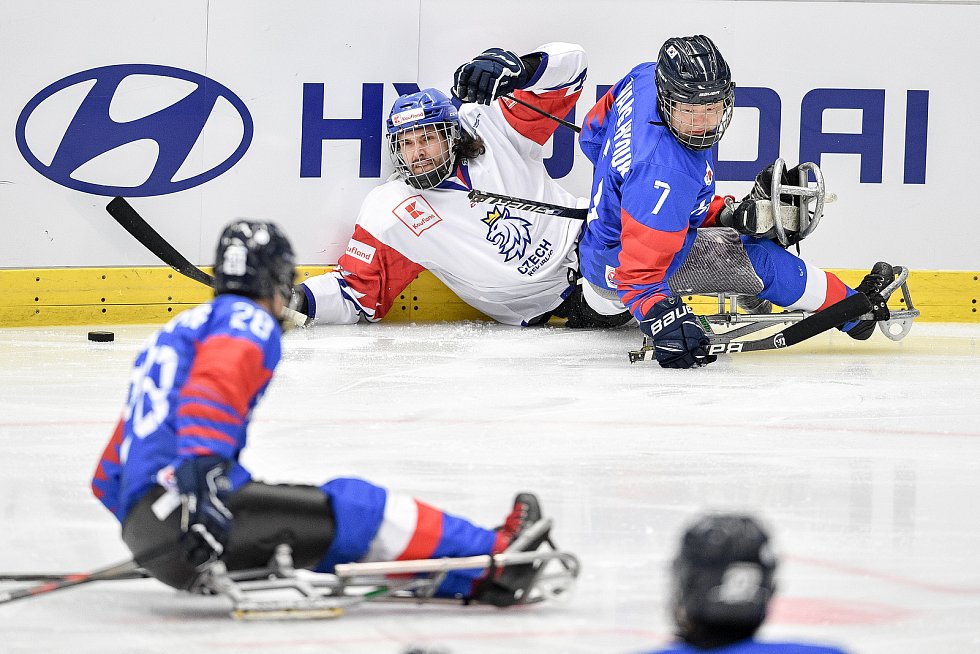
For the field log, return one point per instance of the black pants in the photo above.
(265, 516)
(581, 315)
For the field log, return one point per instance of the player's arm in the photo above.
(549, 78)
(231, 368)
(371, 275)
(656, 213)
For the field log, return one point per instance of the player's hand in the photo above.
(205, 521)
(491, 74)
(678, 339)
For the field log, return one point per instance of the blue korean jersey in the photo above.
(753, 647)
(649, 194)
(191, 393)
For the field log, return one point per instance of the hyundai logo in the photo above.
(134, 129)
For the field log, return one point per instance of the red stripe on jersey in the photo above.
(836, 291)
(597, 114)
(717, 204)
(197, 450)
(644, 259)
(109, 455)
(199, 392)
(428, 531)
(380, 278)
(207, 412)
(198, 431)
(532, 124)
(111, 452)
(229, 370)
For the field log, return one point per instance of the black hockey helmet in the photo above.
(254, 259)
(691, 70)
(723, 576)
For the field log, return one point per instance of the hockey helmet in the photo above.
(254, 259)
(432, 111)
(691, 71)
(723, 575)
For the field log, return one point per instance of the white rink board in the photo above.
(268, 55)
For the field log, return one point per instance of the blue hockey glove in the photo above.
(205, 521)
(491, 74)
(678, 339)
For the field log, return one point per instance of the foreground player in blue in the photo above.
(171, 474)
(722, 581)
(650, 140)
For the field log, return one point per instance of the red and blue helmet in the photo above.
(431, 115)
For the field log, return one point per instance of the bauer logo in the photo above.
(134, 129)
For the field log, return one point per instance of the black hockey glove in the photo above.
(678, 339)
(205, 521)
(744, 216)
(491, 74)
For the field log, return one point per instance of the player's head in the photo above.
(695, 92)
(722, 580)
(254, 259)
(423, 129)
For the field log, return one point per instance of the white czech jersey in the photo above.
(512, 265)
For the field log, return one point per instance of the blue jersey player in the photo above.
(650, 140)
(171, 471)
(722, 582)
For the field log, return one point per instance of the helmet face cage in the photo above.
(432, 110)
(695, 92)
(254, 259)
(438, 143)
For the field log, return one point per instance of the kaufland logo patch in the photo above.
(361, 251)
(708, 175)
(416, 214)
(407, 116)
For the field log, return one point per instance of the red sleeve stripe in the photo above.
(530, 123)
(196, 450)
(717, 204)
(380, 280)
(198, 431)
(201, 411)
(200, 392)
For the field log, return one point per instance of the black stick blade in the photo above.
(132, 222)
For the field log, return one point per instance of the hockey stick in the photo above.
(572, 126)
(123, 570)
(55, 576)
(132, 222)
(848, 309)
(124, 214)
(528, 205)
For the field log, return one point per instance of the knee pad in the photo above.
(144, 532)
(268, 515)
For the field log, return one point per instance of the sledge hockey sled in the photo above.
(719, 266)
(281, 592)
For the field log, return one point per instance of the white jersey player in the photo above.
(515, 266)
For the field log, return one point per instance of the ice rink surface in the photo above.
(863, 459)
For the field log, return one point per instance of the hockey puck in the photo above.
(101, 337)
